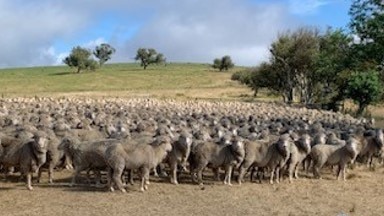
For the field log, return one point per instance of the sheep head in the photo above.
(352, 147)
(283, 145)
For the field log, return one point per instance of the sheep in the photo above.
(85, 155)
(299, 150)
(266, 154)
(339, 155)
(370, 146)
(179, 155)
(27, 155)
(215, 156)
(135, 156)
(54, 156)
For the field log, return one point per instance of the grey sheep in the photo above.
(216, 156)
(339, 155)
(54, 156)
(266, 154)
(370, 146)
(27, 155)
(142, 157)
(299, 150)
(179, 155)
(85, 155)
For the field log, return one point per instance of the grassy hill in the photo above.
(174, 80)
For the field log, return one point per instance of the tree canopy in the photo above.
(148, 57)
(103, 52)
(80, 58)
(225, 63)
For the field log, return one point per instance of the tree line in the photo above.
(81, 58)
(313, 67)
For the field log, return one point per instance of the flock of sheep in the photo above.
(125, 138)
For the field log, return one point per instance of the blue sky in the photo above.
(42, 32)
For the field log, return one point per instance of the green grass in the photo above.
(180, 80)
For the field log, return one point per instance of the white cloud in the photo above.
(29, 29)
(188, 30)
(93, 43)
(302, 7)
(199, 31)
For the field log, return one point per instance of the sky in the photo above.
(43, 32)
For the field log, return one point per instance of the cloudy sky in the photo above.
(42, 32)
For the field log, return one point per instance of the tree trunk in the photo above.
(361, 109)
(78, 70)
(255, 92)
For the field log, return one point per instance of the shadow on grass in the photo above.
(61, 73)
(6, 188)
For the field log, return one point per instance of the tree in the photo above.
(364, 88)
(104, 52)
(367, 24)
(333, 67)
(148, 57)
(307, 65)
(225, 63)
(80, 58)
(293, 57)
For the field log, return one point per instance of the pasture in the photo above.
(122, 80)
(360, 195)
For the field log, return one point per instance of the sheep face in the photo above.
(40, 144)
(352, 146)
(283, 147)
(305, 142)
(185, 141)
(238, 149)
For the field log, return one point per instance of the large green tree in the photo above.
(367, 24)
(305, 64)
(293, 57)
(148, 57)
(104, 52)
(333, 66)
(80, 58)
(364, 88)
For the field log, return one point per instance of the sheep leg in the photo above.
(39, 175)
(341, 172)
(109, 179)
(242, 171)
(200, 169)
(50, 173)
(117, 178)
(228, 175)
(131, 180)
(173, 167)
(98, 178)
(277, 170)
(73, 182)
(296, 173)
(261, 174)
(155, 172)
(316, 172)
(272, 175)
(291, 170)
(144, 179)
(216, 173)
(29, 181)
(252, 174)
(370, 160)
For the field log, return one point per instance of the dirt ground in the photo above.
(361, 194)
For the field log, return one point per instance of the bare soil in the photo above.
(361, 194)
